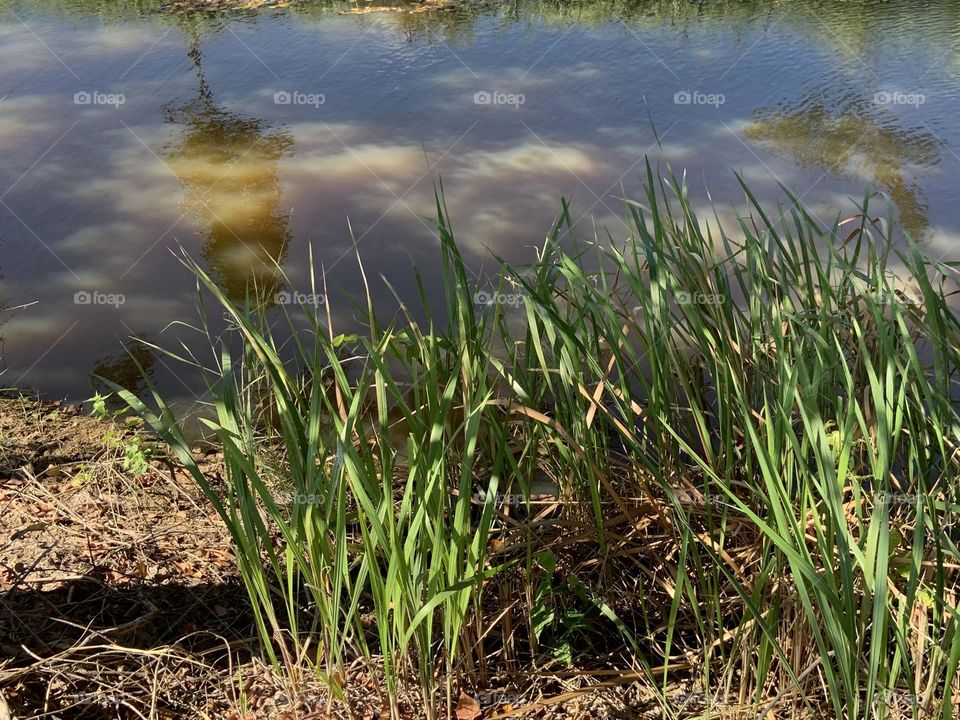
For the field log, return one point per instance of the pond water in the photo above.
(249, 139)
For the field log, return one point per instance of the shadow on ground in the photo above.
(86, 649)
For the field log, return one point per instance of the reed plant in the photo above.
(748, 435)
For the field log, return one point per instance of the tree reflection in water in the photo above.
(862, 141)
(228, 164)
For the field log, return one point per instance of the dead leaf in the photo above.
(188, 569)
(468, 708)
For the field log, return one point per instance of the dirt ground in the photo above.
(119, 598)
(117, 593)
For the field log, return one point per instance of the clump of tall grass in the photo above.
(751, 435)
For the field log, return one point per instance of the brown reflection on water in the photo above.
(129, 368)
(228, 164)
(856, 143)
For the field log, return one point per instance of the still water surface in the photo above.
(248, 139)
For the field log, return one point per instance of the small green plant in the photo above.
(135, 457)
(98, 406)
(136, 453)
(556, 612)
